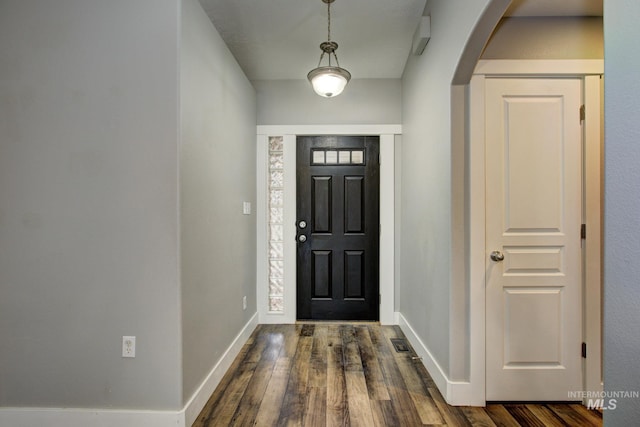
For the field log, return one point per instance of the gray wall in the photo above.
(364, 101)
(98, 201)
(217, 173)
(427, 293)
(546, 38)
(88, 196)
(622, 208)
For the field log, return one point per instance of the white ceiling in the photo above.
(279, 39)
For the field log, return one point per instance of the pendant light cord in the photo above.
(329, 34)
(331, 51)
(329, 29)
(328, 21)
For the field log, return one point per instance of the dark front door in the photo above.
(338, 227)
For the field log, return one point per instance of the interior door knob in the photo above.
(497, 256)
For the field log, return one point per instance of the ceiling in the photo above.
(279, 39)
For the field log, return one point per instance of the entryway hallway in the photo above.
(352, 374)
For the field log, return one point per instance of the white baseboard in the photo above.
(276, 319)
(78, 417)
(456, 393)
(74, 417)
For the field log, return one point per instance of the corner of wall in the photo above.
(456, 393)
(202, 394)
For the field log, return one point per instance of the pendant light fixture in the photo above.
(329, 81)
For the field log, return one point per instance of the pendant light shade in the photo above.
(329, 81)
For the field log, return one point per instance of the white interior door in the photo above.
(533, 217)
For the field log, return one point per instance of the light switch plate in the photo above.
(246, 208)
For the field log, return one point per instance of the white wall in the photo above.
(426, 294)
(217, 174)
(622, 208)
(364, 101)
(88, 196)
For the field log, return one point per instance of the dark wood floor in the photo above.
(351, 375)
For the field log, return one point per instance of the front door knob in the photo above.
(302, 238)
(497, 256)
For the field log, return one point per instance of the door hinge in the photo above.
(582, 113)
(584, 350)
(583, 231)
(379, 299)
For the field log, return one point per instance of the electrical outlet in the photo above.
(128, 346)
(244, 303)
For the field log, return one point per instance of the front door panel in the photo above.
(338, 227)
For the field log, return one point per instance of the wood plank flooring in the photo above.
(330, 374)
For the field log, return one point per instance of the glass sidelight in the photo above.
(276, 226)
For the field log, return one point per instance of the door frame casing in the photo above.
(591, 71)
(289, 133)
